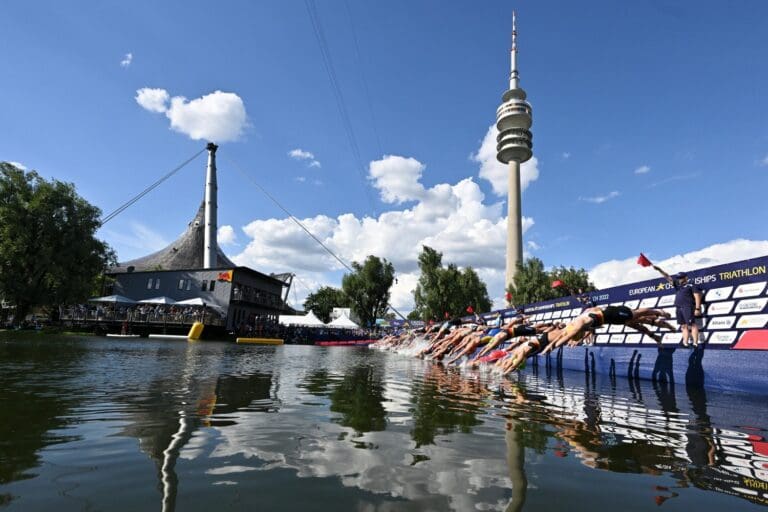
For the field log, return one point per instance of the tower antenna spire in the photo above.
(514, 146)
(514, 31)
(513, 77)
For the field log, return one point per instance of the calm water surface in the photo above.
(96, 424)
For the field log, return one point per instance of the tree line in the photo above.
(49, 255)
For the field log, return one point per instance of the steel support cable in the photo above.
(298, 223)
(147, 190)
(325, 53)
(366, 90)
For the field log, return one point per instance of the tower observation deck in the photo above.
(514, 146)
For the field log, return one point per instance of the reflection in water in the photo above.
(221, 421)
(445, 402)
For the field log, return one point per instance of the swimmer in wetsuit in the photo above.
(593, 318)
(512, 329)
(530, 347)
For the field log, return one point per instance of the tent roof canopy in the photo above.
(309, 320)
(158, 300)
(115, 299)
(343, 322)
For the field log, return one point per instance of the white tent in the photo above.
(343, 322)
(158, 300)
(308, 320)
(114, 299)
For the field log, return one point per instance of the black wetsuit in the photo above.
(543, 341)
(617, 315)
(523, 330)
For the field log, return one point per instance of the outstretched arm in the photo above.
(666, 276)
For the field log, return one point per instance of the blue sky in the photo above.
(617, 88)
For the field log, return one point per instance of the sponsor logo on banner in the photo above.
(752, 321)
(720, 308)
(602, 329)
(556, 314)
(615, 328)
(721, 322)
(671, 338)
(547, 315)
(719, 293)
(602, 338)
(616, 338)
(632, 304)
(634, 338)
(749, 290)
(722, 337)
(662, 285)
(649, 302)
(751, 305)
(666, 300)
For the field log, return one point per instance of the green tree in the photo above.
(414, 315)
(575, 281)
(442, 290)
(324, 300)
(534, 284)
(49, 254)
(367, 288)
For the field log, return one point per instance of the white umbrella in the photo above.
(113, 299)
(196, 301)
(158, 300)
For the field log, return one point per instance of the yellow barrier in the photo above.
(261, 341)
(195, 331)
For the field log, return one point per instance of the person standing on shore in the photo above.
(687, 305)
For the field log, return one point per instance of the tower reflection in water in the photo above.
(375, 430)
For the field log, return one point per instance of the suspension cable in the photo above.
(299, 223)
(147, 190)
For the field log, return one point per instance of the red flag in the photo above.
(470, 309)
(508, 296)
(446, 315)
(643, 261)
(557, 283)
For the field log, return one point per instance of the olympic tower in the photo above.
(513, 147)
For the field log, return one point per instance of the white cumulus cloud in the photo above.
(127, 60)
(454, 219)
(643, 169)
(226, 235)
(300, 154)
(600, 199)
(218, 116)
(397, 178)
(496, 172)
(616, 272)
(154, 100)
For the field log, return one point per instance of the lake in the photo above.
(101, 424)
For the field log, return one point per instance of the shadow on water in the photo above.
(35, 410)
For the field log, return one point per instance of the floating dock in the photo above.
(261, 341)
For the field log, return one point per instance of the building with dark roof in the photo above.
(194, 266)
